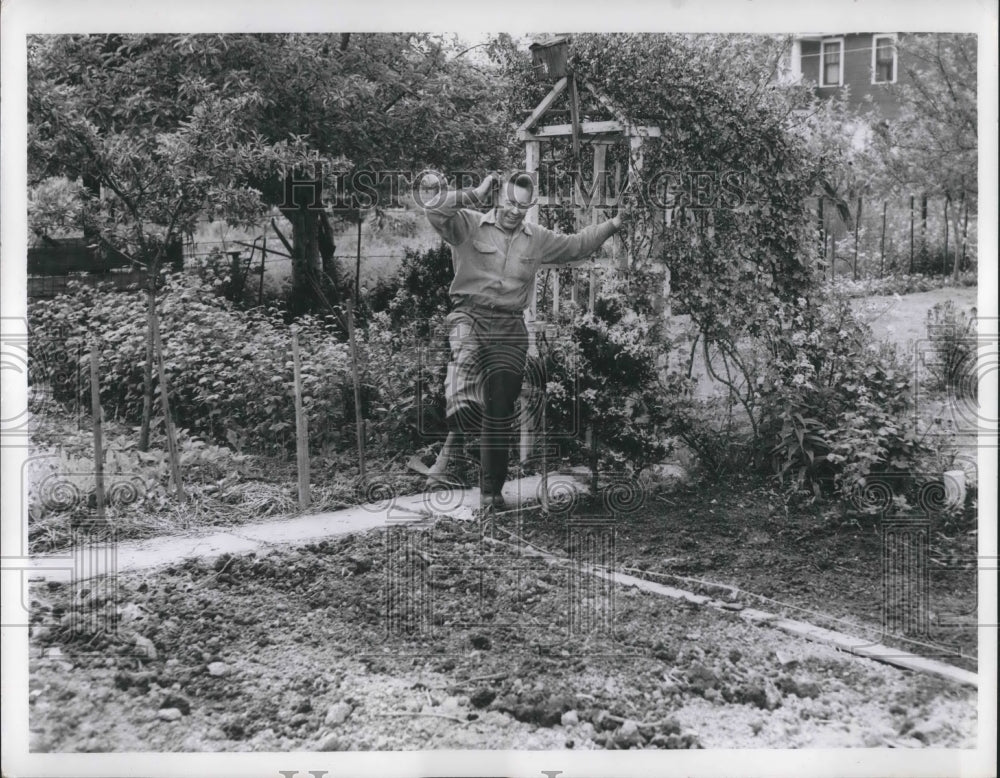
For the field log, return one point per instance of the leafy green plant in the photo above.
(601, 374)
(951, 359)
(801, 451)
(834, 402)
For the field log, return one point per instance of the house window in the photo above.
(884, 59)
(831, 62)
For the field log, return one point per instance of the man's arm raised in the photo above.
(444, 206)
(559, 249)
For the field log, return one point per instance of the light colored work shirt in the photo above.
(494, 268)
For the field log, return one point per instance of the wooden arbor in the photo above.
(604, 125)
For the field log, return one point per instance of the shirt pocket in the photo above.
(525, 267)
(484, 247)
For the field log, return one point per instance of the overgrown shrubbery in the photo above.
(418, 291)
(601, 374)
(229, 371)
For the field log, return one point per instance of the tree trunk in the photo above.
(303, 207)
(327, 247)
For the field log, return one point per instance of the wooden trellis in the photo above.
(600, 135)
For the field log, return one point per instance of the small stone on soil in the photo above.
(169, 714)
(337, 713)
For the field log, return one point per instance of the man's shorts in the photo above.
(482, 343)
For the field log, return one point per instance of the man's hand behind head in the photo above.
(483, 190)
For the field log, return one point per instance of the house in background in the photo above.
(862, 65)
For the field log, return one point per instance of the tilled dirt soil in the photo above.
(442, 637)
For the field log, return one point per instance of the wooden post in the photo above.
(301, 426)
(857, 236)
(947, 202)
(95, 409)
(881, 262)
(820, 225)
(965, 228)
(833, 257)
(358, 420)
(532, 149)
(168, 422)
(574, 109)
(263, 260)
(357, 265)
(826, 252)
(923, 225)
(634, 169)
(236, 273)
(911, 233)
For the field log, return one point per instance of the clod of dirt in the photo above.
(125, 680)
(145, 647)
(337, 714)
(628, 735)
(665, 652)
(483, 697)
(480, 642)
(570, 718)
(330, 743)
(761, 693)
(675, 741)
(603, 720)
(176, 701)
(789, 685)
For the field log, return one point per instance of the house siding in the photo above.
(857, 67)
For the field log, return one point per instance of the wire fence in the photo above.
(875, 237)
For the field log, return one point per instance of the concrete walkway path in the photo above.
(150, 553)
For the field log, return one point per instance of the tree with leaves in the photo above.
(364, 105)
(154, 145)
(932, 145)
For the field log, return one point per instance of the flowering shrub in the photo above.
(833, 401)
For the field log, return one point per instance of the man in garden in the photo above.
(495, 256)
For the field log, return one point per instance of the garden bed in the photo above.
(293, 650)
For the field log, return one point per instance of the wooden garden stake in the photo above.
(357, 264)
(911, 233)
(965, 228)
(947, 202)
(881, 263)
(857, 237)
(263, 261)
(95, 408)
(359, 422)
(168, 422)
(301, 427)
